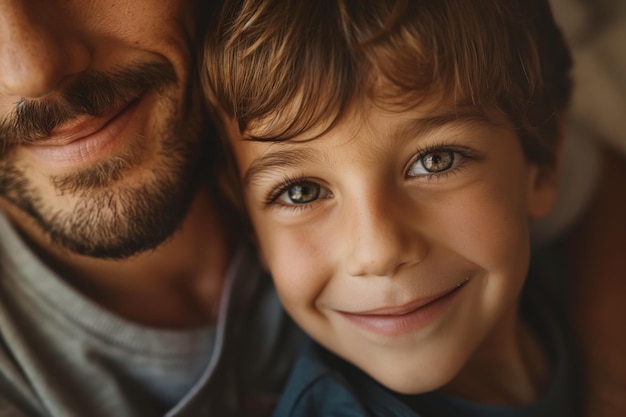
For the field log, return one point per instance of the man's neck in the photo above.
(177, 285)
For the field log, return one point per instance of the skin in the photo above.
(124, 216)
(352, 222)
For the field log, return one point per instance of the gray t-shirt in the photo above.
(62, 355)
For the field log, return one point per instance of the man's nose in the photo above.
(382, 237)
(39, 48)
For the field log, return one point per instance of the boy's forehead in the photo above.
(382, 134)
(401, 119)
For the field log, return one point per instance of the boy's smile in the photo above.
(399, 240)
(396, 320)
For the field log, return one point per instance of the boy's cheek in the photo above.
(296, 263)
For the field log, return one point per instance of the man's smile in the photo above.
(85, 140)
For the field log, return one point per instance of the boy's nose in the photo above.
(39, 48)
(382, 239)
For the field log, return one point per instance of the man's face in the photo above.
(100, 119)
(399, 240)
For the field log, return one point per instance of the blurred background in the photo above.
(596, 32)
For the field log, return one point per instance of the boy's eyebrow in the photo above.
(420, 127)
(281, 158)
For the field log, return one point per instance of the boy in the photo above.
(392, 155)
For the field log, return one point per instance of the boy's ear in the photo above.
(543, 181)
(542, 191)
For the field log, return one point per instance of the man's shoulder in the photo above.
(17, 398)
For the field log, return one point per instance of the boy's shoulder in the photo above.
(321, 384)
(315, 389)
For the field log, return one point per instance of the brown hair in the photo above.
(302, 63)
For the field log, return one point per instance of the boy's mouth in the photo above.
(411, 316)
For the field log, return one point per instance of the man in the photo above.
(117, 261)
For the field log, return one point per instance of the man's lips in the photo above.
(86, 141)
(80, 127)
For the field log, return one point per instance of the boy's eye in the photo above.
(432, 163)
(302, 193)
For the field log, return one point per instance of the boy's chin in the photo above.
(411, 380)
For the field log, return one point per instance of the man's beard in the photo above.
(110, 219)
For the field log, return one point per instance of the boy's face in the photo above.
(399, 241)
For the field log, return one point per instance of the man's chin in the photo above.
(117, 219)
(118, 224)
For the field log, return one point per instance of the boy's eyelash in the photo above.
(290, 181)
(284, 185)
(465, 152)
